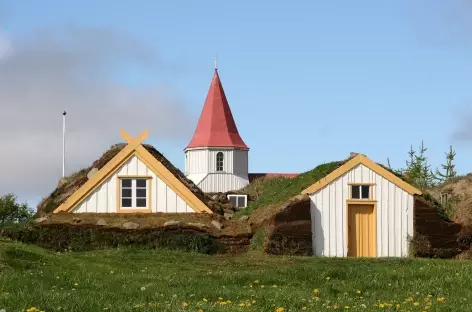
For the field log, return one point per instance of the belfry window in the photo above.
(219, 161)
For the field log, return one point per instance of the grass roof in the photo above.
(68, 185)
(271, 193)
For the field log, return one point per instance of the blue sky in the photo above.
(307, 81)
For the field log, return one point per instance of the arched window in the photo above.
(219, 161)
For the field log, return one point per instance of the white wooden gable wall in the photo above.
(329, 215)
(163, 198)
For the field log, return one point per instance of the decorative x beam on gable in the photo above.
(134, 142)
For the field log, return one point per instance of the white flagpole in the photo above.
(63, 144)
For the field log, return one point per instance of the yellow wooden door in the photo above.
(361, 231)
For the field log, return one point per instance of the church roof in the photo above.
(216, 126)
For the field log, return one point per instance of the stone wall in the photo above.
(433, 236)
(289, 230)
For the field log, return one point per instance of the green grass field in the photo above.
(152, 280)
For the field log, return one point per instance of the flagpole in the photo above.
(63, 144)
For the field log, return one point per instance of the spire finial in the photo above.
(216, 62)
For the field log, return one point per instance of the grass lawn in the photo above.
(152, 280)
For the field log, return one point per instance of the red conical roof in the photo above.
(216, 126)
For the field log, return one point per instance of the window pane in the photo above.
(126, 192)
(233, 199)
(141, 202)
(141, 182)
(241, 201)
(219, 161)
(141, 193)
(126, 182)
(365, 191)
(126, 202)
(355, 192)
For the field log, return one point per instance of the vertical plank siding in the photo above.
(394, 215)
(163, 198)
(200, 167)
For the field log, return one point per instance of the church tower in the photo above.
(216, 159)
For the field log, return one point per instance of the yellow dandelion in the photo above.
(381, 305)
(204, 299)
(303, 308)
(358, 292)
(256, 281)
(416, 304)
(242, 304)
(316, 291)
(76, 284)
(440, 299)
(185, 304)
(201, 310)
(280, 309)
(347, 307)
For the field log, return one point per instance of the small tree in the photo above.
(448, 167)
(12, 211)
(418, 170)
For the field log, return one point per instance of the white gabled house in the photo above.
(361, 209)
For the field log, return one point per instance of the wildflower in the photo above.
(201, 310)
(204, 299)
(416, 304)
(185, 304)
(316, 291)
(143, 288)
(303, 308)
(76, 284)
(347, 307)
(256, 281)
(381, 305)
(358, 292)
(441, 299)
(280, 309)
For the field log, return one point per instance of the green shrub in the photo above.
(83, 238)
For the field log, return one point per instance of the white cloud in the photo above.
(70, 70)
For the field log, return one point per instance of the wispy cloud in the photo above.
(71, 69)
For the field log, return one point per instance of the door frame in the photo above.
(353, 202)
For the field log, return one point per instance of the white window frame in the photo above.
(134, 196)
(237, 197)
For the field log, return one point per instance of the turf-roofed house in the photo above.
(134, 178)
(361, 209)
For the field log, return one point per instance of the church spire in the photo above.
(216, 126)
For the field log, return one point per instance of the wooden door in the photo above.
(361, 231)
